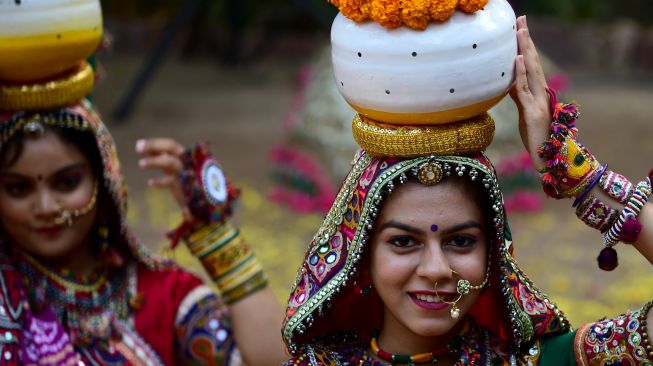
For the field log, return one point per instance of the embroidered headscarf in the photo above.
(327, 307)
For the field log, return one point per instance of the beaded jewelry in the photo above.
(616, 186)
(644, 327)
(626, 228)
(420, 358)
(596, 214)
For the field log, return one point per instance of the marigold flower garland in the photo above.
(415, 14)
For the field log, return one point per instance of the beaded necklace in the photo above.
(87, 311)
(472, 347)
(420, 358)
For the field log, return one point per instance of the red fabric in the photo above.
(162, 291)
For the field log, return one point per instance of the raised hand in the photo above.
(530, 95)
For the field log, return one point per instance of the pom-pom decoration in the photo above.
(630, 231)
(608, 259)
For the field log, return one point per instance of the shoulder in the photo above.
(315, 356)
(619, 340)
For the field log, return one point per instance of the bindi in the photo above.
(434, 228)
(39, 178)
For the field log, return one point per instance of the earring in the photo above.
(111, 255)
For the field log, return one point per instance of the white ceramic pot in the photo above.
(42, 38)
(448, 72)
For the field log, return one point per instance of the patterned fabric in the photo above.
(204, 333)
(326, 305)
(617, 341)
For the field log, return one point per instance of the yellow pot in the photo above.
(40, 39)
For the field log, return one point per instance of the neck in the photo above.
(82, 262)
(398, 339)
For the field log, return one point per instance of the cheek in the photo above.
(472, 266)
(78, 198)
(390, 269)
(13, 210)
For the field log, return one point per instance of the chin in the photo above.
(434, 327)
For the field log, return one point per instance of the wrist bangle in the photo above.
(626, 228)
(616, 186)
(229, 261)
(596, 214)
(591, 186)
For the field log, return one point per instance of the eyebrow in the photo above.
(411, 229)
(401, 226)
(465, 225)
(58, 172)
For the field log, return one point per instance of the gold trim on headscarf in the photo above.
(49, 94)
(385, 140)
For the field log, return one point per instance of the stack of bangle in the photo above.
(616, 186)
(627, 227)
(228, 259)
(596, 214)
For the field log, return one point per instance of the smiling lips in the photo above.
(431, 301)
(49, 231)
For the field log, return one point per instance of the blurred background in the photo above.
(253, 77)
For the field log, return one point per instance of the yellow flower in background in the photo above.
(415, 13)
(386, 12)
(471, 6)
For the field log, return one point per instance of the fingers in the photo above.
(159, 145)
(520, 91)
(536, 78)
(166, 162)
(167, 181)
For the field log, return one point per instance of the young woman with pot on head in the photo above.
(413, 263)
(76, 287)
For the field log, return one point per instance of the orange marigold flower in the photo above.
(415, 13)
(336, 3)
(356, 10)
(386, 12)
(442, 10)
(471, 6)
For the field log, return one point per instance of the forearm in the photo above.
(645, 242)
(257, 321)
(256, 313)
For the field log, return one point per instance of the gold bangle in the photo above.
(385, 140)
(251, 285)
(49, 94)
